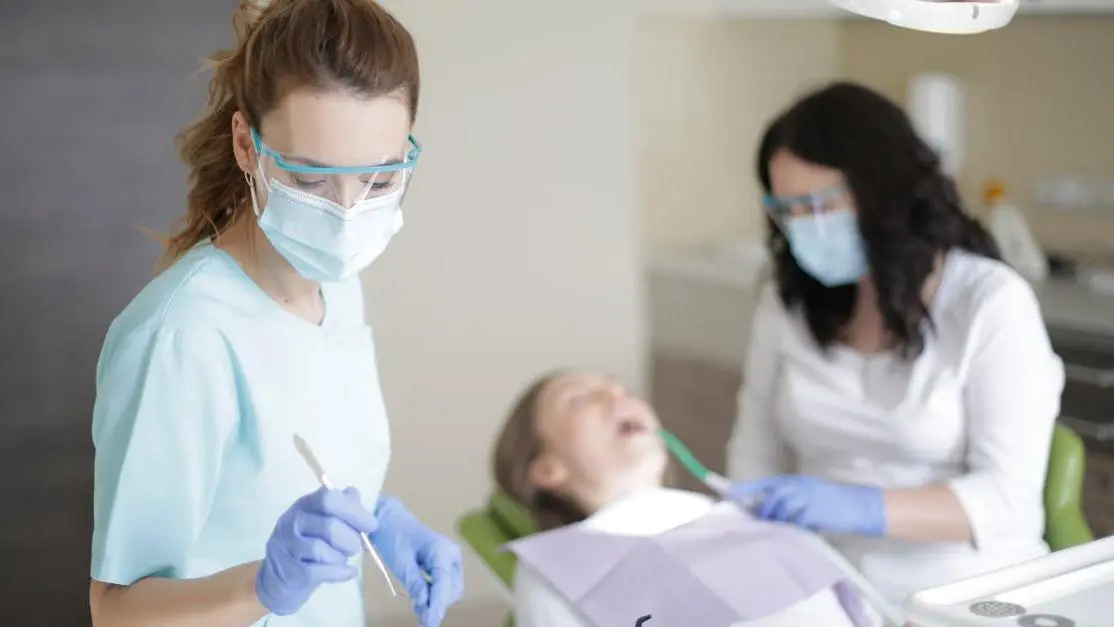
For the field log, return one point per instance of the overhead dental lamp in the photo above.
(957, 17)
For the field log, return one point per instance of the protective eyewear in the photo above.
(782, 209)
(344, 185)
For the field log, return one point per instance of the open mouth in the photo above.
(630, 427)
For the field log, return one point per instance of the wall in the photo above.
(1040, 93)
(91, 95)
(1040, 97)
(520, 247)
(705, 90)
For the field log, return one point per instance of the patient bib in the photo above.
(721, 569)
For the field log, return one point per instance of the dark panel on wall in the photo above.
(91, 95)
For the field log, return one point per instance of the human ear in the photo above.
(548, 473)
(242, 145)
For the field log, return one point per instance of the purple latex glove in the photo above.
(410, 549)
(311, 545)
(816, 504)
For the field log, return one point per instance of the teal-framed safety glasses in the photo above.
(782, 209)
(343, 185)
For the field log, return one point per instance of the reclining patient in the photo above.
(577, 449)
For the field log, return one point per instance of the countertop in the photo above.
(1066, 304)
(700, 301)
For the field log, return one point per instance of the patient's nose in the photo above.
(612, 397)
(616, 390)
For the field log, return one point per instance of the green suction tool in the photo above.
(717, 482)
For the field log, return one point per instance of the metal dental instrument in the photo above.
(319, 471)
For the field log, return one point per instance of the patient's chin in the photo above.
(647, 467)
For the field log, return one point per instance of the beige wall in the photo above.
(704, 91)
(1040, 101)
(515, 259)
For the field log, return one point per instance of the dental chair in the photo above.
(502, 520)
(486, 530)
(1065, 525)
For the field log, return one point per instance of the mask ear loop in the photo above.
(254, 197)
(251, 186)
(816, 206)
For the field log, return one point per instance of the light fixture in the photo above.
(936, 16)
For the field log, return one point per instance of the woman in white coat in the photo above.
(900, 387)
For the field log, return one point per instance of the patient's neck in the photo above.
(592, 501)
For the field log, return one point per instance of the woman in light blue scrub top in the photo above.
(205, 513)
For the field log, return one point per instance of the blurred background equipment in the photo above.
(955, 17)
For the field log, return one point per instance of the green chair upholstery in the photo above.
(487, 530)
(516, 518)
(1065, 525)
(486, 538)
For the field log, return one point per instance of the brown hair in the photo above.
(518, 447)
(283, 45)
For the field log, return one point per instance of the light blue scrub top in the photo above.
(202, 382)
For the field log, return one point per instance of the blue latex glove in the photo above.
(408, 548)
(310, 546)
(816, 504)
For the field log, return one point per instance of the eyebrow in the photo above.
(313, 163)
(564, 390)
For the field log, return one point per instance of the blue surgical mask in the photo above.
(322, 240)
(828, 246)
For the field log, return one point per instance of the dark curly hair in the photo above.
(908, 210)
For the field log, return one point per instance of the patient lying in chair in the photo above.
(577, 449)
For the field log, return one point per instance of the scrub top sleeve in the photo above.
(755, 449)
(165, 408)
(1012, 400)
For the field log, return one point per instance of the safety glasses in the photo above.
(782, 209)
(345, 186)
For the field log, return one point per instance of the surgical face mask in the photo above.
(321, 239)
(828, 246)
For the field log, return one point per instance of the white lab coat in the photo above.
(974, 411)
(647, 513)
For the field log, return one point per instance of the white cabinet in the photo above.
(701, 301)
(820, 9)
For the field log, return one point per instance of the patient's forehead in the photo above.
(565, 385)
(557, 398)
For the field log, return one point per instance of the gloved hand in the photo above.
(816, 504)
(311, 545)
(408, 548)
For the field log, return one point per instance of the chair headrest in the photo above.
(512, 515)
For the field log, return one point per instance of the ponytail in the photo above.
(217, 188)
